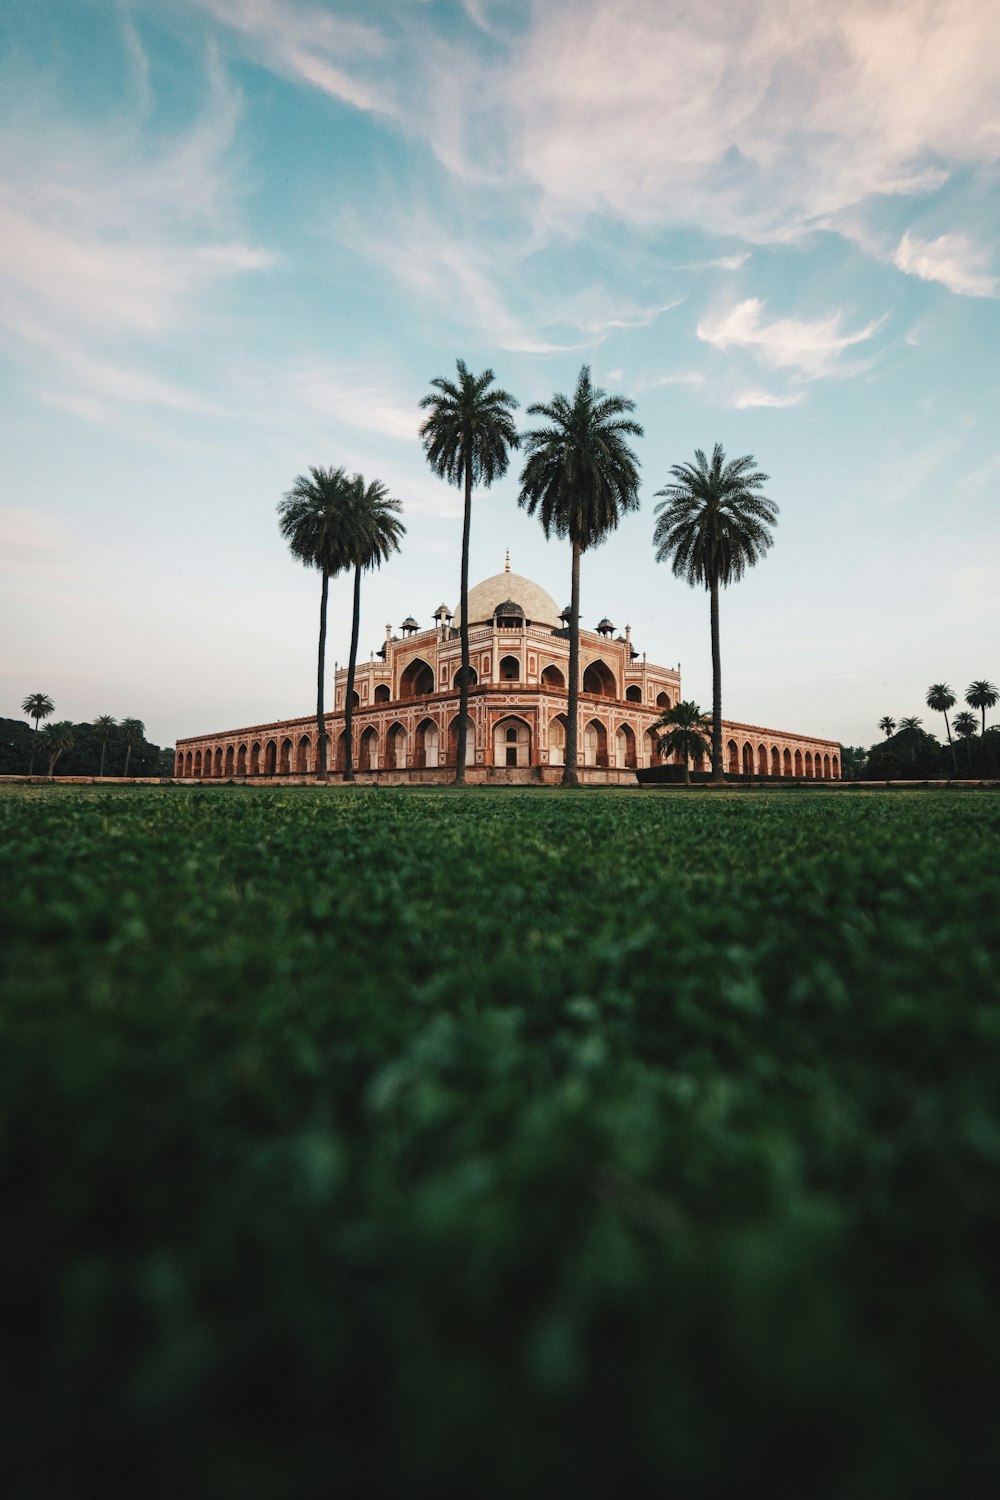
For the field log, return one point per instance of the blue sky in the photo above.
(239, 238)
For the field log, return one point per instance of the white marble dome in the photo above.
(539, 607)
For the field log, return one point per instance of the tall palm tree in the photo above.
(104, 724)
(467, 437)
(36, 706)
(312, 518)
(375, 531)
(940, 697)
(981, 695)
(57, 739)
(887, 725)
(580, 477)
(714, 524)
(133, 732)
(966, 726)
(685, 725)
(912, 732)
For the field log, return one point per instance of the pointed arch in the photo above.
(417, 680)
(510, 669)
(230, 764)
(241, 761)
(427, 743)
(747, 758)
(382, 694)
(595, 744)
(625, 747)
(218, 760)
(395, 748)
(809, 765)
(663, 701)
(470, 741)
(633, 693)
(457, 679)
(761, 760)
(651, 748)
(798, 762)
(368, 758)
(733, 758)
(786, 762)
(775, 761)
(599, 679)
(255, 758)
(553, 677)
(270, 758)
(558, 726)
(512, 742)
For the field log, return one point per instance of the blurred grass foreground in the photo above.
(499, 1143)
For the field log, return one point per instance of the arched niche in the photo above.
(553, 677)
(417, 679)
(599, 679)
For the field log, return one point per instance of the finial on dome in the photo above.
(506, 564)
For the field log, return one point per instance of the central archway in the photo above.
(426, 744)
(600, 680)
(512, 742)
(595, 744)
(395, 748)
(417, 679)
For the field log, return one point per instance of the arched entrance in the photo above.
(557, 740)
(510, 669)
(786, 762)
(218, 760)
(775, 761)
(381, 693)
(473, 678)
(595, 744)
(599, 679)
(426, 743)
(798, 762)
(747, 759)
(633, 694)
(302, 755)
(417, 679)
(368, 750)
(395, 748)
(733, 758)
(230, 760)
(512, 743)
(552, 677)
(625, 747)
(285, 759)
(270, 758)
(761, 760)
(470, 742)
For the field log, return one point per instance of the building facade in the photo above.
(406, 707)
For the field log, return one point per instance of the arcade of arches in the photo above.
(406, 700)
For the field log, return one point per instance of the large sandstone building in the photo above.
(406, 707)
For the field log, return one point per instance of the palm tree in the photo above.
(104, 724)
(887, 725)
(375, 531)
(981, 695)
(714, 524)
(312, 520)
(912, 732)
(966, 725)
(685, 725)
(580, 476)
(940, 697)
(467, 437)
(133, 732)
(57, 739)
(36, 706)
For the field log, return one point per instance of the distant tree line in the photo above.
(58, 747)
(908, 750)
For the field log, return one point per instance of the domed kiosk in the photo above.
(405, 712)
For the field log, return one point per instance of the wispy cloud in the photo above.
(952, 259)
(361, 403)
(810, 348)
(766, 398)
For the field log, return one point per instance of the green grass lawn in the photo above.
(499, 1143)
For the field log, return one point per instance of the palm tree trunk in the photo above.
(463, 689)
(320, 674)
(104, 745)
(569, 776)
(352, 663)
(128, 752)
(951, 744)
(34, 742)
(717, 766)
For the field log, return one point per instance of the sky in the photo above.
(239, 238)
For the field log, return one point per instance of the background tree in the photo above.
(467, 438)
(887, 726)
(312, 518)
(105, 725)
(684, 735)
(375, 531)
(36, 706)
(713, 524)
(967, 727)
(940, 698)
(911, 732)
(56, 740)
(853, 759)
(580, 477)
(981, 695)
(133, 732)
